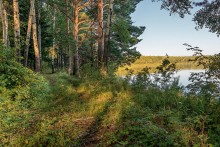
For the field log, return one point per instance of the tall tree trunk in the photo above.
(54, 42)
(36, 48)
(107, 37)
(100, 33)
(17, 29)
(39, 30)
(6, 28)
(61, 59)
(75, 34)
(2, 14)
(57, 61)
(70, 52)
(30, 19)
(91, 49)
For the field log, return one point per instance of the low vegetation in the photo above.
(59, 110)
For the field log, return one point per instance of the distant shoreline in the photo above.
(182, 62)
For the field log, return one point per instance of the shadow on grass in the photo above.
(63, 94)
(89, 137)
(74, 116)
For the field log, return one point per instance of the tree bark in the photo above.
(30, 19)
(54, 42)
(36, 47)
(91, 48)
(2, 15)
(75, 35)
(100, 33)
(107, 37)
(17, 29)
(39, 30)
(6, 28)
(70, 52)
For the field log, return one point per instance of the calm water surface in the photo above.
(185, 74)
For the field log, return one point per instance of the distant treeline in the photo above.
(182, 62)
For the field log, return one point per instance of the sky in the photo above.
(165, 34)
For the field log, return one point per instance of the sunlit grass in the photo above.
(107, 112)
(66, 116)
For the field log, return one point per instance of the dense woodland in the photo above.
(59, 87)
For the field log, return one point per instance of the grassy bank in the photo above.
(182, 62)
(97, 111)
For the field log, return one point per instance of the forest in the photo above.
(60, 86)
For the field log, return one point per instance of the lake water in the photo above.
(185, 74)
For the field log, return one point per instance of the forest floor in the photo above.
(79, 113)
(96, 111)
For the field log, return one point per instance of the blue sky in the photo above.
(167, 34)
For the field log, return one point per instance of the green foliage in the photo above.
(208, 16)
(163, 78)
(124, 35)
(124, 38)
(17, 82)
(110, 112)
(180, 7)
(106, 111)
(143, 110)
(122, 28)
(20, 91)
(164, 116)
(207, 83)
(214, 65)
(128, 7)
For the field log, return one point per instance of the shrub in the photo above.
(20, 91)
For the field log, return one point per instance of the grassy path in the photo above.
(79, 114)
(109, 112)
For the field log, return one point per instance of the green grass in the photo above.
(182, 62)
(110, 112)
(74, 113)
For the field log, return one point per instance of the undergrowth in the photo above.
(59, 110)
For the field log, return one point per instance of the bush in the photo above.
(17, 82)
(20, 91)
